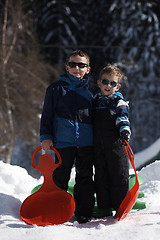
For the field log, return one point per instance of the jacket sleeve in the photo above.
(46, 124)
(122, 120)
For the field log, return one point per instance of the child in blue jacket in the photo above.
(111, 127)
(66, 124)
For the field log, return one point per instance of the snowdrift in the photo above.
(16, 184)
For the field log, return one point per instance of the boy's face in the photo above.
(76, 70)
(107, 90)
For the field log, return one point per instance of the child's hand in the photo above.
(46, 144)
(125, 135)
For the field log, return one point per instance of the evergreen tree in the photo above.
(136, 33)
(122, 32)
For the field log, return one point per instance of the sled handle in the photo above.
(40, 148)
(130, 199)
(131, 157)
(129, 152)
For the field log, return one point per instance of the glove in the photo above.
(125, 135)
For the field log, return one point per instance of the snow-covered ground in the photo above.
(16, 184)
(146, 155)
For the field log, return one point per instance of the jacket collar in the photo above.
(113, 96)
(74, 81)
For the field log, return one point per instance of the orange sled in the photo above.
(131, 197)
(49, 205)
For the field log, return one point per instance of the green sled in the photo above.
(98, 212)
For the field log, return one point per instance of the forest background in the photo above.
(35, 39)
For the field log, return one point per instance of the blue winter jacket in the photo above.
(67, 113)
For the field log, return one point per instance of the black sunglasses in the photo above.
(74, 64)
(111, 83)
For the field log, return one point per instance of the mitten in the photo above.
(125, 135)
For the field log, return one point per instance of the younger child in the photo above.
(111, 127)
(66, 124)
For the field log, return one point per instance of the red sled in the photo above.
(49, 205)
(131, 197)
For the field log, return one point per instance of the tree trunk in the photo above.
(7, 103)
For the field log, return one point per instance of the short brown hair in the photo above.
(112, 70)
(79, 53)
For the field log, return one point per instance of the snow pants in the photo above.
(82, 157)
(111, 173)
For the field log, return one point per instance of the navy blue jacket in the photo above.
(67, 113)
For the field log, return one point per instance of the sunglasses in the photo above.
(111, 83)
(74, 64)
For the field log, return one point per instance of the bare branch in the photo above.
(31, 74)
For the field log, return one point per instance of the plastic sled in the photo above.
(49, 205)
(132, 180)
(99, 212)
(131, 197)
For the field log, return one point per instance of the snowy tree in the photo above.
(136, 33)
(56, 28)
(66, 25)
(122, 32)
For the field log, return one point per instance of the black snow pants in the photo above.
(111, 174)
(82, 157)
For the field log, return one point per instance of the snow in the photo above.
(144, 156)
(16, 184)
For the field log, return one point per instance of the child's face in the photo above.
(77, 71)
(107, 90)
